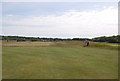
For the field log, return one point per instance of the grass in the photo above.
(58, 60)
(103, 45)
(0, 60)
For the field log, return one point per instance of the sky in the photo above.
(59, 0)
(60, 19)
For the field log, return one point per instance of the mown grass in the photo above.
(0, 60)
(61, 60)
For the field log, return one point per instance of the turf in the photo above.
(59, 63)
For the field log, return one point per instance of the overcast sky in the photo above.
(60, 19)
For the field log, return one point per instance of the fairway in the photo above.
(59, 62)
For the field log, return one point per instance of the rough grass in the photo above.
(111, 46)
(61, 60)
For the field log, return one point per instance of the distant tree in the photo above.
(110, 39)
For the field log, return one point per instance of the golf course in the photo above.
(59, 60)
(60, 40)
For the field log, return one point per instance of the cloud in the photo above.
(72, 23)
(10, 15)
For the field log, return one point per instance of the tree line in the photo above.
(20, 38)
(110, 39)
